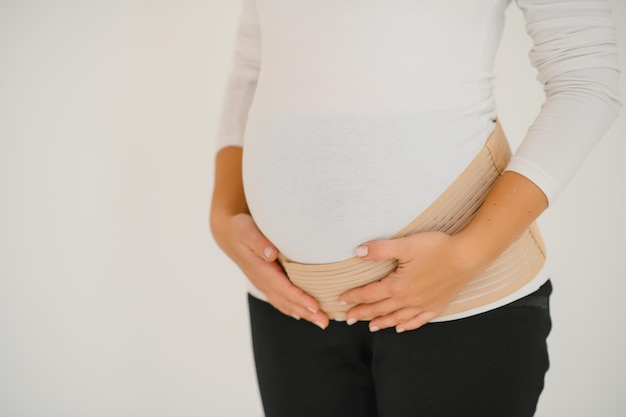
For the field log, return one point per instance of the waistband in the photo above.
(449, 213)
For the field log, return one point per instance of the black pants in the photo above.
(491, 364)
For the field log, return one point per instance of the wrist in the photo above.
(511, 206)
(475, 252)
(220, 224)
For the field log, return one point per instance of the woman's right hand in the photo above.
(240, 238)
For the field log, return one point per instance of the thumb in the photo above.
(378, 250)
(264, 248)
(259, 244)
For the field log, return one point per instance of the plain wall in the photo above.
(114, 301)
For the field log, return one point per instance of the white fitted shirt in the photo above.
(355, 115)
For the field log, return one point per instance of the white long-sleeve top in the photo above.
(355, 115)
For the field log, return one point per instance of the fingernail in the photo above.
(311, 309)
(343, 303)
(319, 324)
(400, 329)
(351, 321)
(374, 329)
(295, 317)
(361, 251)
(267, 252)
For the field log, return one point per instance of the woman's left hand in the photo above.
(433, 268)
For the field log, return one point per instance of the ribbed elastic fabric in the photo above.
(449, 213)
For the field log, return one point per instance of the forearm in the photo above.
(511, 206)
(228, 194)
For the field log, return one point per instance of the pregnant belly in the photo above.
(318, 187)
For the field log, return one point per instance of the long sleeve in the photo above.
(575, 54)
(243, 77)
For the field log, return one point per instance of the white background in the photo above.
(114, 301)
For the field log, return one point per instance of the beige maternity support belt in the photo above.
(449, 214)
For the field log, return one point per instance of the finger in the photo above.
(394, 318)
(298, 311)
(284, 296)
(416, 322)
(259, 244)
(319, 318)
(372, 311)
(370, 293)
(379, 250)
(299, 297)
(302, 305)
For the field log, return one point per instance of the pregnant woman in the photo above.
(366, 189)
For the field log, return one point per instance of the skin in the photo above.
(432, 267)
(237, 235)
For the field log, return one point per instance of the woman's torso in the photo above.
(363, 115)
